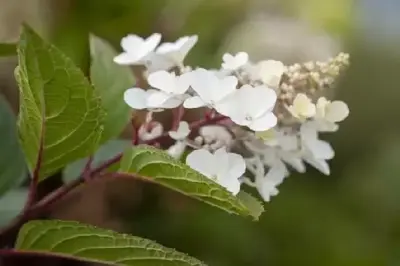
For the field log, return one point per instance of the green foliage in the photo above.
(155, 165)
(88, 243)
(12, 163)
(111, 81)
(60, 111)
(104, 153)
(11, 204)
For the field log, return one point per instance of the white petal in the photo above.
(302, 107)
(203, 83)
(177, 149)
(258, 100)
(271, 72)
(321, 150)
(172, 102)
(267, 190)
(151, 43)
(162, 80)
(318, 164)
(231, 184)
(194, 102)
(183, 83)
(157, 99)
(126, 59)
(131, 43)
(155, 132)
(265, 122)
(294, 161)
(227, 57)
(337, 111)
(187, 46)
(227, 86)
(182, 132)
(241, 58)
(202, 161)
(237, 165)
(136, 98)
(234, 62)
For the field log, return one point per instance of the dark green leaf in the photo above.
(88, 243)
(57, 103)
(12, 163)
(111, 81)
(157, 166)
(11, 204)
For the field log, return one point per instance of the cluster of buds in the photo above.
(260, 117)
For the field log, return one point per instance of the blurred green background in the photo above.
(349, 218)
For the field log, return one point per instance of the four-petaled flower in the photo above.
(171, 88)
(137, 98)
(315, 151)
(271, 72)
(250, 106)
(234, 62)
(222, 167)
(173, 54)
(182, 132)
(136, 49)
(209, 88)
(333, 112)
(302, 107)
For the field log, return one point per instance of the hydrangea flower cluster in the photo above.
(262, 118)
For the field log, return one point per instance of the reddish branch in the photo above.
(35, 210)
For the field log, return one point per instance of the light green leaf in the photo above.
(12, 162)
(111, 81)
(157, 166)
(8, 49)
(88, 243)
(11, 205)
(104, 153)
(57, 104)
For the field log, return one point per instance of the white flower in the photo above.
(302, 107)
(234, 62)
(137, 98)
(156, 130)
(136, 49)
(222, 167)
(181, 133)
(177, 149)
(266, 185)
(250, 106)
(315, 151)
(176, 52)
(210, 89)
(217, 134)
(271, 72)
(172, 89)
(333, 112)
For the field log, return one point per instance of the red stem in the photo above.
(35, 178)
(177, 117)
(38, 208)
(86, 171)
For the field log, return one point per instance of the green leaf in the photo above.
(12, 162)
(104, 153)
(111, 81)
(155, 165)
(59, 109)
(11, 205)
(8, 49)
(91, 244)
